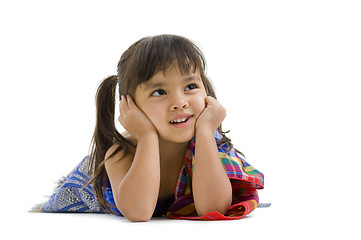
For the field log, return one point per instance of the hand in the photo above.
(212, 116)
(133, 119)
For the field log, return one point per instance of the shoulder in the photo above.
(118, 162)
(116, 152)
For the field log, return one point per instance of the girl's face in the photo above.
(172, 102)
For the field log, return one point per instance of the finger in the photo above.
(209, 100)
(131, 103)
(123, 103)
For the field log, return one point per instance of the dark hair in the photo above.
(137, 65)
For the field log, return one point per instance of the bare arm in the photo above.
(212, 190)
(135, 179)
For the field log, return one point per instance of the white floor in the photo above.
(276, 222)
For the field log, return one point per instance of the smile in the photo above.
(181, 122)
(177, 121)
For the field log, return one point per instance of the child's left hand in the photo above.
(212, 116)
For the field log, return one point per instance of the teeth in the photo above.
(179, 120)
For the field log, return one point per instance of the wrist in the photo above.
(149, 137)
(205, 131)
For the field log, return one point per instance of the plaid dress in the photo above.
(74, 195)
(244, 178)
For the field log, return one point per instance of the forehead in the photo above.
(174, 71)
(171, 75)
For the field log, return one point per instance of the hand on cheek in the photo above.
(212, 116)
(133, 119)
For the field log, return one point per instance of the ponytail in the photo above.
(105, 135)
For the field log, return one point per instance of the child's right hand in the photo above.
(133, 119)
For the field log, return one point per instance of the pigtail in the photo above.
(105, 135)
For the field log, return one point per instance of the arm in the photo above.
(212, 190)
(135, 179)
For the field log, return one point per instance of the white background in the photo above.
(288, 73)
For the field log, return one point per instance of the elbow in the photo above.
(220, 207)
(138, 217)
(136, 213)
(204, 211)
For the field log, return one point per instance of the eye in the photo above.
(158, 92)
(191, 87)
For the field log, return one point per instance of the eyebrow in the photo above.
(149, 86)
(192, 78)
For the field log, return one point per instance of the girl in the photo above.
(174, 159)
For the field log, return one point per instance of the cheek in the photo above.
(198, 104)
(155, 114)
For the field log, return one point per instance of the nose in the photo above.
(179, 102)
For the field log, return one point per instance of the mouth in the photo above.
(181, 121)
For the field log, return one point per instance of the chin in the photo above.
(180, 137)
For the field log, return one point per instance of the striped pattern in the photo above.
(72, 194)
